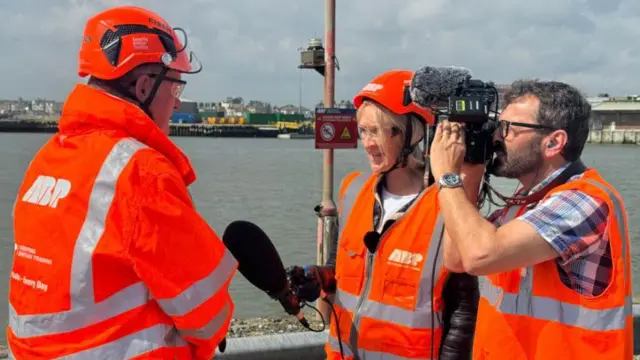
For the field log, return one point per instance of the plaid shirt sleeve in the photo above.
(575, 225)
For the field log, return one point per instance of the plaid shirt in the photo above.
(576, 226)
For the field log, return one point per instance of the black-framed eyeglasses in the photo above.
(505, 124)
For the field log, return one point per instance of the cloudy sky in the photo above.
(248, 47)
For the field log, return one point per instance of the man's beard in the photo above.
(516, 163)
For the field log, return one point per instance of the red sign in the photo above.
(336, 128)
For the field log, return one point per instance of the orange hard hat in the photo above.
(389, 89)
(119, 39)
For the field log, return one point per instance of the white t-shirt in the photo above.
(392, 203)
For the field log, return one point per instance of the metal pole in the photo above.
(327, 224)
(300, 91)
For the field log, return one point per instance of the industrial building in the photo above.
(616, 114)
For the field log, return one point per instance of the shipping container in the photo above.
(260, 118)
(184, 118)
(290, 117)
(188, 107)
(211, 113)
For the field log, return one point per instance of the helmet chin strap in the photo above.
(156, 85)
(146, 104)
(407, 149)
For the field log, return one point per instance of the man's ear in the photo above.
(555, 142)
(142, 86)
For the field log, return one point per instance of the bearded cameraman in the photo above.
(555, 260)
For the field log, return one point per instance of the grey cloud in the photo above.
(248, 47)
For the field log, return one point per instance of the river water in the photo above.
(276, 184)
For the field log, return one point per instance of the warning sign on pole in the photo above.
(345, 134)
(336, 128)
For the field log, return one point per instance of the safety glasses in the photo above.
(374, 133)
(177, 86)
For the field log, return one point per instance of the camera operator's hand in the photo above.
(447, 149)
(309, 280)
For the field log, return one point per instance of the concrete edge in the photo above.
(297, 345)
(310, 345)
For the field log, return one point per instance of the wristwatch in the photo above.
(450, 180)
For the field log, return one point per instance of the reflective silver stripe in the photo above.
(202, 290)
(144, 341)
(84, 311)
(334, 345)
(100, 200)
(349, 199)
(367, 354)
(526, 304)
(207, 331)
(420, 319)
(25, 326)
(544, 308)
(433, 256)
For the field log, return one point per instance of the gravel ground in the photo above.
(271, 325)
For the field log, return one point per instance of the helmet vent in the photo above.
(112, 40)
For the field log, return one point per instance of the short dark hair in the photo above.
(562, 107)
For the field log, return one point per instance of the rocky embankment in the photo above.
(271, 325)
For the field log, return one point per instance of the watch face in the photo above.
(451, 179)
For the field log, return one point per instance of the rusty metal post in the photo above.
(327, 222)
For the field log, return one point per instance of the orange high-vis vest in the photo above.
(111, 259)
(530, 314)
(389, 304)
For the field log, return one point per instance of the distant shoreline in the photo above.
(186, 130)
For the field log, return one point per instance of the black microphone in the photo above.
(260, 263)
(431, 86)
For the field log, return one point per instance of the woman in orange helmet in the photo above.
(393, 297)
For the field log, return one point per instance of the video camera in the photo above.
(453, 95)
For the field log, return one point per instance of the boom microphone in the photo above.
(260, 264)
(432, 86)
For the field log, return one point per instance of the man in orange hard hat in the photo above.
(112, 260)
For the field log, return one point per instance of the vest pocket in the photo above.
(399, 293)
(406, 351)
(350, 261)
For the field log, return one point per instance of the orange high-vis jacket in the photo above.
(111, 259)
(389, 305)
(530, 314)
